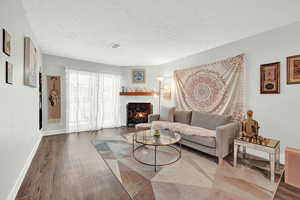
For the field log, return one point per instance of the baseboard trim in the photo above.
(54, 132)
(13, 193)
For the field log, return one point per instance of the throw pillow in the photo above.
(183, 117)
(208, 120)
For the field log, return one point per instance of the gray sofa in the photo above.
(209, 133)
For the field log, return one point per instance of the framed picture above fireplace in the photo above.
(138, 76)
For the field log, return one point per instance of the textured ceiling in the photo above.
(150, 32)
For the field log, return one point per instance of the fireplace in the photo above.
(138, 113)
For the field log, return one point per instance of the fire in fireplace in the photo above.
(138, 113)
(141, 114)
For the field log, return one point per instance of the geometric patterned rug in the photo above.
(195, 176)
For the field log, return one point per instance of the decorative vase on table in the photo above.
(250, 126)
(157, 133)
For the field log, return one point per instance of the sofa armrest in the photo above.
(153, 117)
(225, 136)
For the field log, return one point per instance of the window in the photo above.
(93, 101)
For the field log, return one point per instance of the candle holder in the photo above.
(157, 133)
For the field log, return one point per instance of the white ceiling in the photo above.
(150, 32)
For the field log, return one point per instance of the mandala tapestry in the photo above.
(214, 88)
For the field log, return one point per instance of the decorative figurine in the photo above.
(250, 126)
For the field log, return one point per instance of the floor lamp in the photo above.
(160, 80)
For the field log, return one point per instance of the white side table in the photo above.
(272, 148)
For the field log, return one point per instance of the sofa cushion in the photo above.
(203, 140)
(191, 130)
(183, 117)
(193, 134)
(167, 114)
(209, 121)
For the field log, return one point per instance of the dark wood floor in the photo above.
(287, 192)
(68, 167)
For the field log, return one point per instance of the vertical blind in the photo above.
(93, 101)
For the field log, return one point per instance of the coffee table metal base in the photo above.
(155, 165)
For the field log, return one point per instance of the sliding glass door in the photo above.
(93, 101)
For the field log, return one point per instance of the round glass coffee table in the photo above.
(165, 138)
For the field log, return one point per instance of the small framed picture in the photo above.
(138, 76)
(270, 78)
(293, 69)
(6, 43)
(9, 73)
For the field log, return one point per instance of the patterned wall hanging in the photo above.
(54, 99)
(214, 88)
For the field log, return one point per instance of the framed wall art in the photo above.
(54, 98)
(167, 92)
(30, 64)
(6, 43)
(270, 78)
(9, 73)
(138, 76)
(293, 69)
(167, 88)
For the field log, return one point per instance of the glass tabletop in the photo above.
(267, 142)
(165, 137)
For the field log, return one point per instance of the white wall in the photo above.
(277, 114)
(19, 119)
(55, 65)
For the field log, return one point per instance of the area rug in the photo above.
(195, 176)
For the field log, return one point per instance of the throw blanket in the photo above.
(183, 128)
(214, 88)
